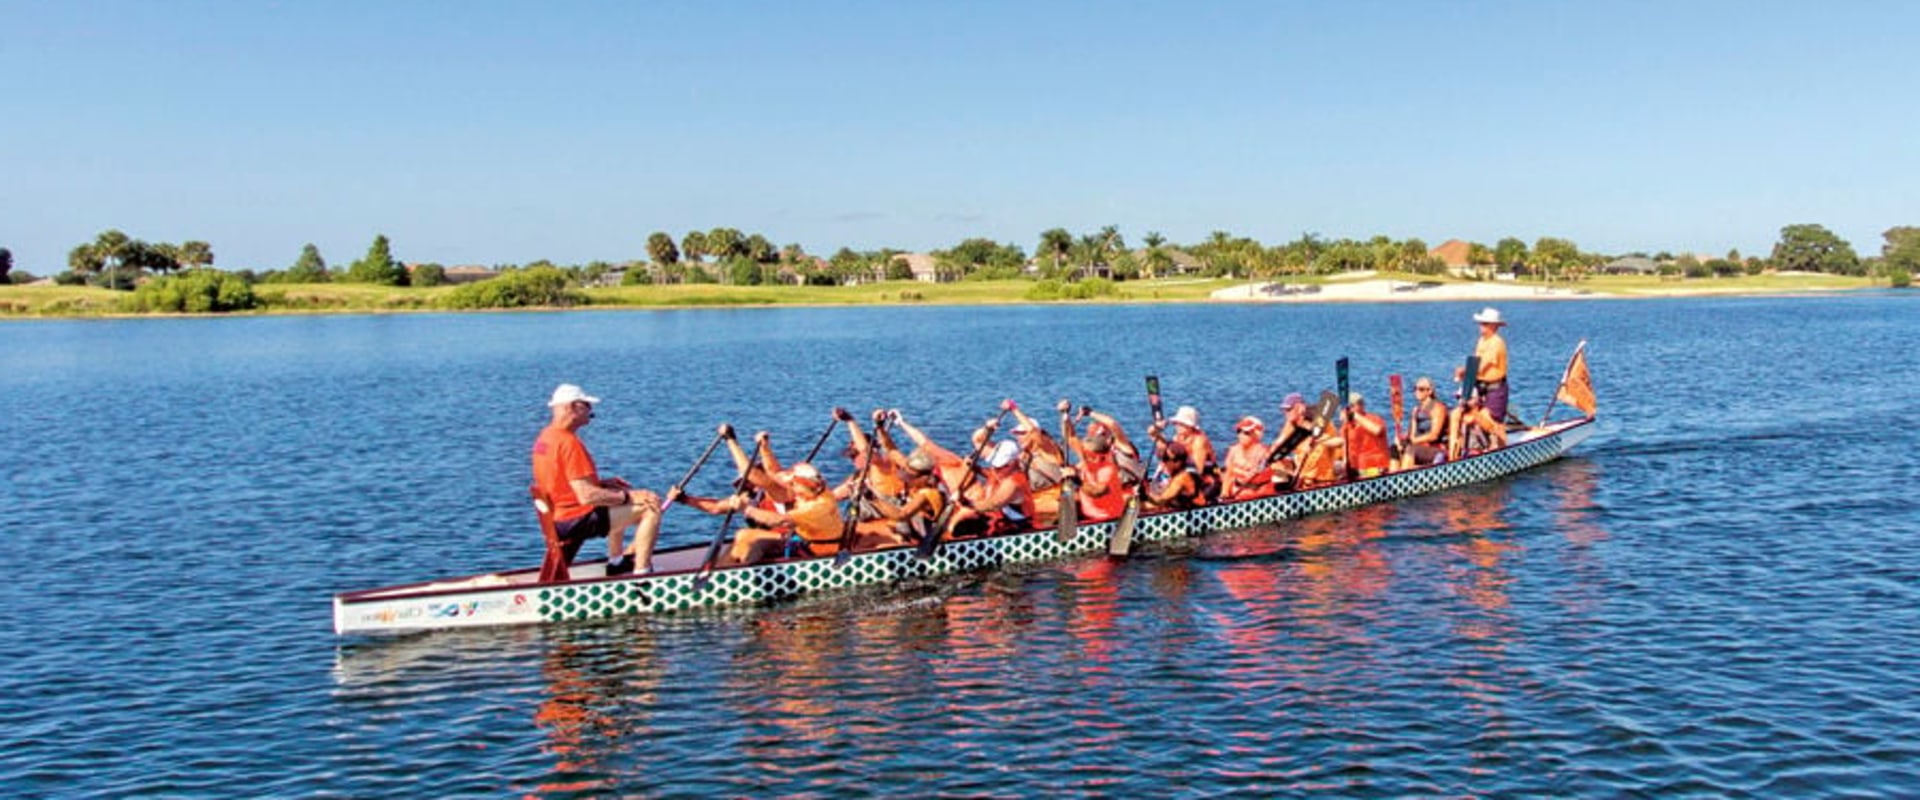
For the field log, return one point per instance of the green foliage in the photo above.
(1902, 250)
(70, 278)
(995, 274)
(429, 274)
(6, 265)
(899, 270)
(1813, 248)
(194, 291)
(378, 267)
(975, 254)
(309, 268)
(660, 248)
(1509, 254)
(742, 271)
(194, 253)
(1083, 290)
(1899, 278)
(698, 273)
(523, 288)
(1724, 268)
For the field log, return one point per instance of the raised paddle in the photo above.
(718, 437)
(848, 528)
(1469, 379)
(1396, 394)
(740, 489)
(931, 545)
(1340, 383)
(1122, 541)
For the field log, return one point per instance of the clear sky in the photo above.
(486, 132)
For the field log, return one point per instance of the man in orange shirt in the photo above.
(585, 505)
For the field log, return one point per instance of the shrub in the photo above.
(1044, 290)
(198, 291)
(537, 286)
(1899, 278)
(429, 275)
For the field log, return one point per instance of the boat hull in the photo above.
(516, 597)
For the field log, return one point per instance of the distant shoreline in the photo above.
(67, 302)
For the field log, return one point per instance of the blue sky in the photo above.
(482, 132)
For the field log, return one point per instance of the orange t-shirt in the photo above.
(558, 458)
(1101, 470)
(1492, 351)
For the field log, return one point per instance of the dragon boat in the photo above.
(678, 583)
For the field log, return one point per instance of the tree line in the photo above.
(730, 256)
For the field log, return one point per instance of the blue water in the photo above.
(1717, 595)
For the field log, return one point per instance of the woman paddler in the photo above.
(912, 518)
(1103, 490)
(1246, 474)
(1182, 489)
(1001, 501)
(809, 524)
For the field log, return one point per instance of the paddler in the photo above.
(1185, 429)
(1245, 475)
(1427, 441)
(1366, 439)
(585, 505)
(1044, 461)
(912, 517)
(809, 525)
(1001, 501)
(1182, 489)
(1102, 492)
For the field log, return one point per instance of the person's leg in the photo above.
(645, 523)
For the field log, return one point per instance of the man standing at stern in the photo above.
(1492, 352)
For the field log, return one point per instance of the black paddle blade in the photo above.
(1122, 540)
(1153, 396)
(1470, 382)
(929, 544)
(1340, 379)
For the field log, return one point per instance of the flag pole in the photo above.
(1564, 375)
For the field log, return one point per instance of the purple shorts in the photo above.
(1495, 395)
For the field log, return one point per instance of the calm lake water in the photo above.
(1717, 595)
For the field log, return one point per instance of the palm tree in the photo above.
(693, 246)
(1056, 242)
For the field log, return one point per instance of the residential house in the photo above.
(1453, 253)
(1630, 265)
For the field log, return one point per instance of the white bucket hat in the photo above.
(1187, 416)
(1489, 316)
(568, 394)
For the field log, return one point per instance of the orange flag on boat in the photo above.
(1576, 389)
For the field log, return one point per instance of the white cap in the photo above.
(1187, 416)
(1003, 454)
(1489, 316)
(567, 394)
(804, 471)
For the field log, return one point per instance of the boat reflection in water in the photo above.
(597, 709)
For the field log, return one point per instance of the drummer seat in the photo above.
(559, 554)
